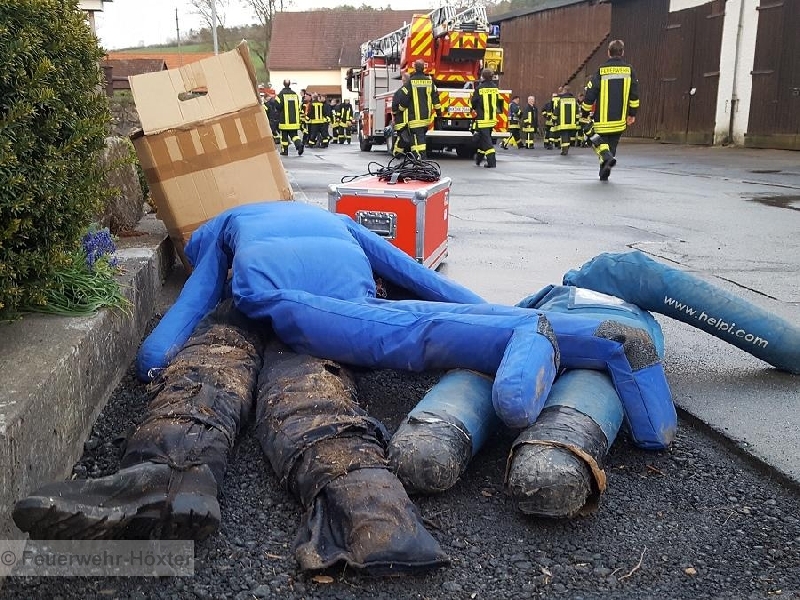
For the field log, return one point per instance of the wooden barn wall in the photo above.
(544, 50)
(640, 24)
(775, 104)
(677, 59)
(598, 57)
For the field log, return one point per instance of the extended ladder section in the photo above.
(471, 19)
(443, 19)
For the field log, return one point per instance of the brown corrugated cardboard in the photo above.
(205, 144)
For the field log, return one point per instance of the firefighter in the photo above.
(530, 123)
(402, 136)
(273, 116)
(346, 116)
(420, 99)
(610, 103)
(565, 119)
(581, 141)
(305, 109)
(288, 103)
(487, 104)
(549, 115)
(318, 122)
(514, 113)
(327, 111)
(336, 120)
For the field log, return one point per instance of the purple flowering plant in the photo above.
(87, 281)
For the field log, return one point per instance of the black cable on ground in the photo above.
(401, 169)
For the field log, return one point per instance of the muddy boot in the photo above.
(144, 501)
(332, 457)
(175, 461)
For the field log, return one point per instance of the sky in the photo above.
(131, 23)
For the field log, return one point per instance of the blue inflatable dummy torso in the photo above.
(309, 274)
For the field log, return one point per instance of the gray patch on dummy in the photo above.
(637, 343)
(546, 329)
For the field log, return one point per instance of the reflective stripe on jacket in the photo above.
(487, 103)
(614, 92)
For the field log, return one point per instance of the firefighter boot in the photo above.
(607, 162)
(491, 160)
(479, 156)
(331, 456)
(298, 145)
(174, 462)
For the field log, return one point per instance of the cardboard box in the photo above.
(414, 215)
(205, 144)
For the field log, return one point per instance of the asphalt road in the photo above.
(715, 516)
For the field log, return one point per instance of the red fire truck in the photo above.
(455, 47)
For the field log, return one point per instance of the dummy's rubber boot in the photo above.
(140, 502)
(331, 456)
(175, 460)
(564, 150)
(555, 466)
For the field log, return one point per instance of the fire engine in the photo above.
(455, 46)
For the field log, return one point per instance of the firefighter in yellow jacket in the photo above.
(318, 119)
(420, 99)
(487, 104)
(565, 119)
(402, 136)
(610, 102)
(530, 123)
(288, 105)
(514, 125)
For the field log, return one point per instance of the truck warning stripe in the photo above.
(421, 37)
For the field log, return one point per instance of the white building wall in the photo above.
(93, 5)
(677, 5)
(302, 79)
(735, 82)
(737, 54)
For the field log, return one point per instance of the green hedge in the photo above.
(53, 122)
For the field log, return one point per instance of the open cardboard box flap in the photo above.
(205, 144)
(196, 92)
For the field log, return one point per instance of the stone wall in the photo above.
(124, 118)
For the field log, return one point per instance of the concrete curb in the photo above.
(57, 373)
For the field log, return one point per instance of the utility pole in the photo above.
(214, 25)
(178, 35)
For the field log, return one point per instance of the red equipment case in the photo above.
(412, 215)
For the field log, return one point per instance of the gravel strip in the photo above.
(693, 522)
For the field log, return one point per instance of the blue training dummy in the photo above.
(657, 287)
(555, 466)
(310, 275)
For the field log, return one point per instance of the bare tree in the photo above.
(204, 9)
(264, 11)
